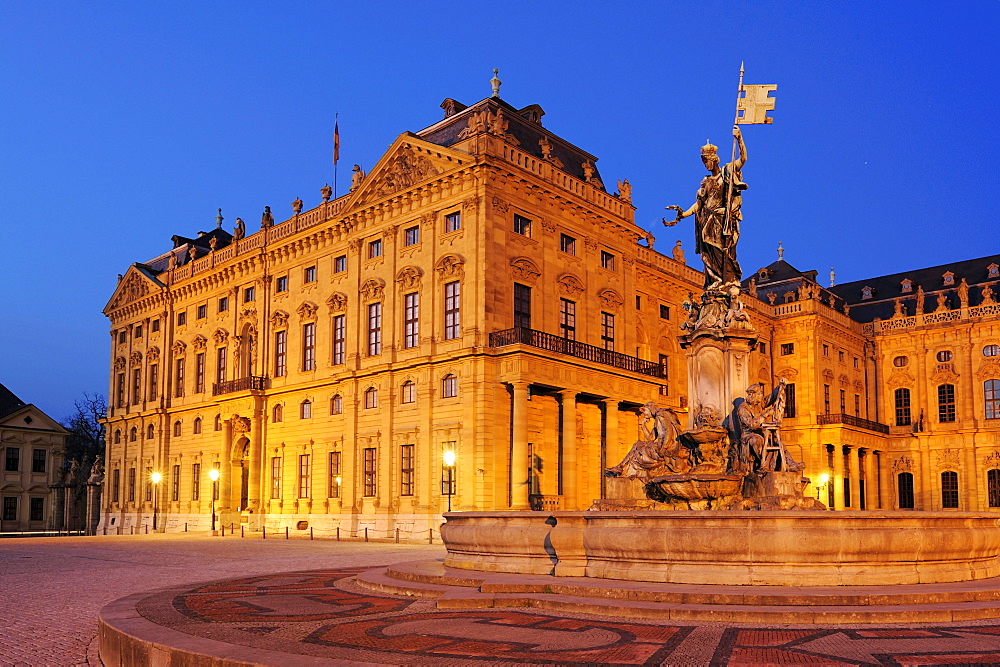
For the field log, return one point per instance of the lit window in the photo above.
(946, 403)
(309, 275)
(522, 225)
(452, 222)
(607, 260)
(449, 386)
(411, 320)
(944, 355)
(309, 346)
(991, 389)
(409, 392)
(374, 329)
(411, 235)
(991, 350)
(374, 248)
(567, 244)
(902, 402)
(340, 264)
(452, 310)
(334, 474)
(339, 339)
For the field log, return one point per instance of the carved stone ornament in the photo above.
(220, 336)
(858, 386)
(373, 289)
(993, 460)
(135, 359)
(405, 169)
(788, 373)
(470, 203)
(409, 277)
(153, 354)
(178, 348)
(241, 424)
(279, 319)
(337, 302)
(120, 363)
(844, 380)
(248, 314)
(948, 458)
(525, 270)
(548, 226)
(354, 245)
(828, 375)
(500, 204)
(476, 124)
(450, 267)
(199, 343)
(945, 373)
(611, 299)
(307, 311)
(989, 370)
(570, 284)
(902, 464)
(901, 379)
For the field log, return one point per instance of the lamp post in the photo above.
(213, 475)
(823, 481)
(449, 463)
(155, 478)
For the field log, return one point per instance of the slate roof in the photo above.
(9, 403)
(780, 277)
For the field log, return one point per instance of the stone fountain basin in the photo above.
(792, 548)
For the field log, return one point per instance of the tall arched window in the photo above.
(196, 427)
(336, 405)
(306, 409)
(904, 485)
(371, 397)
(946, 403)
(949, 489)
(276, 414)
(409, 392)
(218, 422)
(118, 436)
(150, 432)
(993, 487)
(902, 396)
(991, 390)
(449, 386)
(133, 434)
(177, 428)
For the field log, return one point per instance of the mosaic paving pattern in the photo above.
(321, 614)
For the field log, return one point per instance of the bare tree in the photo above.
(86, 433)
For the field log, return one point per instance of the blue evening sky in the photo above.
(123, 123)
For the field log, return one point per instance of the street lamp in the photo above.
(449, 463)
(213, 475)
(823, 480)
(155, 478)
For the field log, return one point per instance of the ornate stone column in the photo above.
(570, 490)
(256, 439)
(856, 481)
(611, 440)
(519, 452)
(871, 482)
(225, 467)
(838, 477)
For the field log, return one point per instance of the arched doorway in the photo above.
(241, 471)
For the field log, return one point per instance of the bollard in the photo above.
(223, 526)
(338, 533)
(430, 536)
(147, 528)
(185, 526)
(265, 532)
(286, 532)
(397, 536)
(241, 530)
(310, 532)
(366, 533)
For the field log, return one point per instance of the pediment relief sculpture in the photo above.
(409, 277)
(220, 336)
(989, 370)
(901, 379)
(788, 373)
(248, 314)
(450, 267)
(135, 358)
(570, 284)
(337, 302)
(844, 380)
(522, 268)
(120, 363)
(948, 458)
(178, 348)
(134, 288)
(945, 373)
(307, 310)
(610, 299)
(279, 318)
(828, 375)
(373, 289)
(902, 464)
(993, 460)
(405, 169)
(199, 343)
(153, 354)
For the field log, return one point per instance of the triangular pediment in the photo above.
(134, 285)
(30, 417)
(408, 162)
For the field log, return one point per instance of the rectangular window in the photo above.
(280, 353)
(374, 329)
(411, 235)
(840, 356)
(136, 385)
(902, 401)
(406, 470)
(411, 319)
(374, 248)
(202, 311)
(339, 338)
(120, 390)
(199, 372)
(567, 319)
(116, 485)
(13, 459)
(10, 508)
(664, 312)
(38, 457)
(857, 405)
(121, 336)
(522, 225)
(369, 472)
(149, 485)
(607, 260)
(826, 350)
(223, 304)
(195, 481)
(452, 310)
(275, 477)
(131, 485)
(179, 379)
(155, 325)
(826, 399)
(281, 284)
(664, 361)
(220, 365)
(309, 346)
(335, 479)
(855, 362)
(309, 275)
(567, 244)
(182, 319)
(340, 264)
(154, 380)
(36, 509)
(843, 402)
(175, 488)
(607, 331)
(949, 490)
(452, 222)
(522, 306)
(790, 411)
(762, 348)
(786, 348)
(138, 331)
(638, 302)
(304, 481)
(946, 403)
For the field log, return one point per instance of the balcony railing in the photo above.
(252, 382)
(552, 343)
(851, 420)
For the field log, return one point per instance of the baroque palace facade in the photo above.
(480, 295)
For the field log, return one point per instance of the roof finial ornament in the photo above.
(781, 251)
(495, 82)
(218, 219)
(833, 277)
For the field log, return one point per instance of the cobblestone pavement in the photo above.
(291, 601)
(53, 587)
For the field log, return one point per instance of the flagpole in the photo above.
(336, 150)
(728, 222)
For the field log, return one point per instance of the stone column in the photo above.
(570, 491)
(923, 493)
(611, 444)
(885, 494)
(856, 481)
(519, 452)
(837, 479)
(969, 499)
(871, 483)
(225, 468)
(254, 499)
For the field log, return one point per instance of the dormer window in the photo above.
(906, 285)
(949, 278)
(867, 292)
(764, 275)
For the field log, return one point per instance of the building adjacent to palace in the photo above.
(31, 447)
(480, 293)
